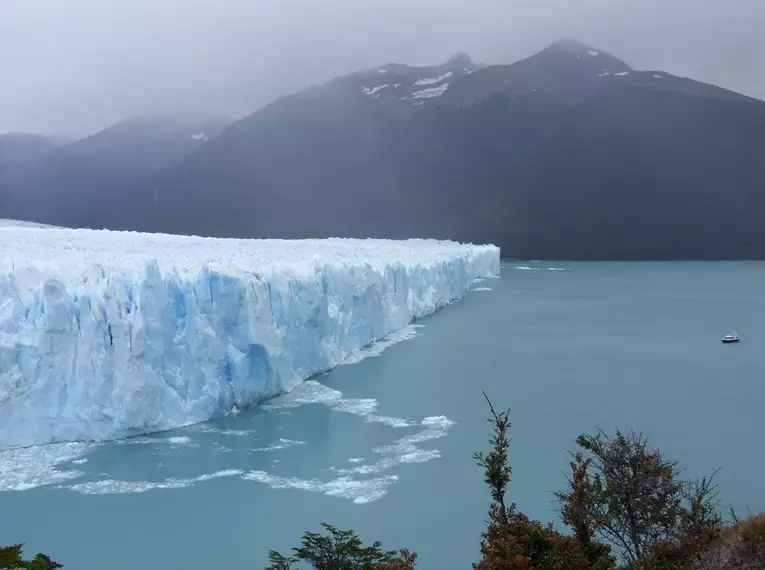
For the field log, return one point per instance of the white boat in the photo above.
(730, 338)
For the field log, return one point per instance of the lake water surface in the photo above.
(384, 445)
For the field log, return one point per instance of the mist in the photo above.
(72, 67)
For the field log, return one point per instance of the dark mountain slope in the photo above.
(285, 158)
(19, 154)
(565, 72)
(567, 154)
(76, 184)
(18, 149)
(643, 173)
(632, 173)
(328, 149)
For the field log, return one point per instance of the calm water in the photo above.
(384, 445)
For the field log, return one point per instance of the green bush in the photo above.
(11, 558)
(341, 550)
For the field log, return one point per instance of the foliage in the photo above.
(740, 547)
(633, 493)
(341, 550)
(575, 512)
(11, 558)
(630, 495)
(512, 540)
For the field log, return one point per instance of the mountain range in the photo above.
(568, 154)
(74, 183)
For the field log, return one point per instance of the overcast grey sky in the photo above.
(74, 66)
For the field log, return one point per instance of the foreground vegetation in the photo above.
(626, 507)
(11, 557)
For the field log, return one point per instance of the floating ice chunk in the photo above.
(438, 422)
(30, 467)
(309, 392)
(482, 289)
(377, 348)
(111, 486)
(283, 444)
(183, 440)
(349, 483)
(405, 450)
(175, 441)
(312, 392)
(622, 73)
(360, 491)
(658, 76)
(200, 137)
(593, 52)
(212, 428)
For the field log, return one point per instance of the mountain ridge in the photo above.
(546, 157)
(71, 183)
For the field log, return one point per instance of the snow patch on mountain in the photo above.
(434, 80)
(431, 92)
(373, 91)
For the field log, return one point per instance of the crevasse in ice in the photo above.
(109, 334)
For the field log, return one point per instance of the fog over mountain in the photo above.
(570, 153)
(78, 66)
(563, 129)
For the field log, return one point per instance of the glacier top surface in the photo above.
(5, 222)
(69, 254)
(110, 334)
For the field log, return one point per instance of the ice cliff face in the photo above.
(109, 334)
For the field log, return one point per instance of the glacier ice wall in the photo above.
(110, 334)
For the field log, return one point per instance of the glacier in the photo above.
(106, 335)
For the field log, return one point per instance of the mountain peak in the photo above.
(568, 45)
(569, 51)
(461, 59)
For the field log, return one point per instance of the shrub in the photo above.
(11, 558)
(631, 496)
(740, 547)
(341, 550)
(512, 540)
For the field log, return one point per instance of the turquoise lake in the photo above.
(384, 445)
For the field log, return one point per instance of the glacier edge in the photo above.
(105, 335)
